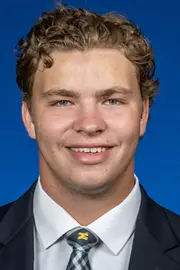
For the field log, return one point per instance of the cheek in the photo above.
(126, 124)
(50, 128)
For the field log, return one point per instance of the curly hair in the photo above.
(67, 29)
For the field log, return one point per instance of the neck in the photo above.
(87, 208)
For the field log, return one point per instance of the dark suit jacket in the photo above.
(156, 243)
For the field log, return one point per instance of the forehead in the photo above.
(90, 70)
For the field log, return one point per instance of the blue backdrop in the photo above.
(158, 155)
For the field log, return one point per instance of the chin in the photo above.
(95, 189)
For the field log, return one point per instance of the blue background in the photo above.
(158, 154)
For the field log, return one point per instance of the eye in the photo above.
(62, 103)
(113, 101)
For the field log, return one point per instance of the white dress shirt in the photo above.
(115, 229)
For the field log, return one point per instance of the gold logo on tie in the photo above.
(83, 236)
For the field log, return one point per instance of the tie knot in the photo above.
(82, 239)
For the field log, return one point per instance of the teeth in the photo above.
(90, 150)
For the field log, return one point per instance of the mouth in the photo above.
(90, 150)
(90, 155)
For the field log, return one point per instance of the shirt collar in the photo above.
(114, 228)
(56, 221)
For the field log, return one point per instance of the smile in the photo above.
(90, 150)
(91, 155)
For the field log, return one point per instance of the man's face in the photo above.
(87, 101)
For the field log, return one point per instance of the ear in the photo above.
(27, 120)
(144, 117)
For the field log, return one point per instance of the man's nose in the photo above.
(90, 122)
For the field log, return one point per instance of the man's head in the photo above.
(88, 82)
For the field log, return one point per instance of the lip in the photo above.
(90, 158)
(90, 146)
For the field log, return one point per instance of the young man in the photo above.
(88, 83)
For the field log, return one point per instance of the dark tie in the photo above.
(81, 240)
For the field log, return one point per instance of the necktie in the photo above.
(81, 240)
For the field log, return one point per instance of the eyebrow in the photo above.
(75, 94)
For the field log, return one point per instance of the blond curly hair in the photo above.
(66, 28)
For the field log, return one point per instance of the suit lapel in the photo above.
(156, 246)
(16, 235)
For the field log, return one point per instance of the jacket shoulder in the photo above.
(171, 218)
(4, 209)
(174, 221)
(25, 199)
(170, 215)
